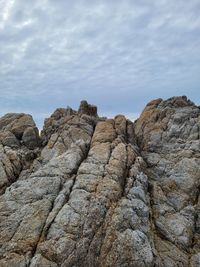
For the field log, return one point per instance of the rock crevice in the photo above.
(93, 191)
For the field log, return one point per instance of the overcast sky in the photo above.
(117, 54)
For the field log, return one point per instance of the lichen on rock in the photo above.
(93, 191)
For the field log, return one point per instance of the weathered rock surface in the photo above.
(19, 145)
(92, 191)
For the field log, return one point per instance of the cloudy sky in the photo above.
(115, 54)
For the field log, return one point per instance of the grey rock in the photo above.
(31, 137)
(101, 192)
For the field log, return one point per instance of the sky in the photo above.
(116, 54)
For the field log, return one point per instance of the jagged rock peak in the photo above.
(176, 101)
(87, 109)
(63, 117)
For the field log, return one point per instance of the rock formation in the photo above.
(100, 192)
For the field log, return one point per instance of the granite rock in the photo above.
(92, 191)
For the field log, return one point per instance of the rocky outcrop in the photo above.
(19, 145)
(87, 109)
(168, 136)
(92, 191)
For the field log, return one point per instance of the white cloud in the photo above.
(6, 8)
(117, 54)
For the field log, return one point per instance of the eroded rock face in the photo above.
(168, 136)
(101, 192)
(19, 145)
